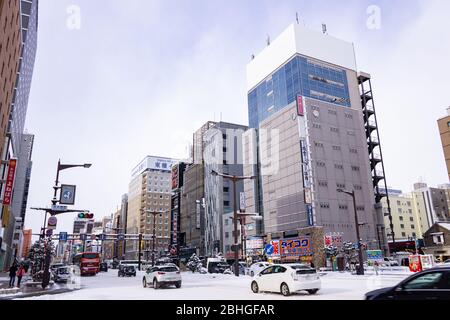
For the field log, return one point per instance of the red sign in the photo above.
(300, 109)
(9, 182)
(175, 177)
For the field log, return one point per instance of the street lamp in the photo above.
(59, 168)
(234, 179)
(360, 270)
(46, 275)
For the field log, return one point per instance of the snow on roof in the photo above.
(445, 225)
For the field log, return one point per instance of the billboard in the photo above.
(299, 246)
(374, 255)
(296, 247)
(175, 176)
(9, 182)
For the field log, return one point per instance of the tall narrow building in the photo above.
(223, 154)
(10, 53)
(310, 137)
(149, 205)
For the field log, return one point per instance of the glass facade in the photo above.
(299, 76)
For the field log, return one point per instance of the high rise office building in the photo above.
(313, 131)
(15, 137)
(150, 192)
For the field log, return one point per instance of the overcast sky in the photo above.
(140, 76)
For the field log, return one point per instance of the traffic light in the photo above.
(85, 215)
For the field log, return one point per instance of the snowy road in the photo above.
(107, 286)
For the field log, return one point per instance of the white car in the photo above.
(257, 267)
(163, 275)
(286, 279)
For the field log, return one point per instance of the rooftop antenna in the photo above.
(221, 117)
(253, 56)
(324, 28)
(268, 40)
(296, 17)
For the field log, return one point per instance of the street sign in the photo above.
(58, 208)
(67, 195)
(83, 236)
(268, 249)
(49, 232)
(63, 236)
(52, 221)
(242, 201)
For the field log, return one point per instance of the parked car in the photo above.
(55, 266)
(286, 279)
(431, 284)
(390, 262)
(104, 267)
(62, 274)
(126, 271)
(242, 268)
(217, 265)
(257, 267)
(162, 275)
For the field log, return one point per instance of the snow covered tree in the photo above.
(37, 254)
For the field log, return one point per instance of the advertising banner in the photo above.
(9, 182)
(175, 177)
(296, 247)
(374, 255)
(300, 108)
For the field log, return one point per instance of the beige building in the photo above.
(149, 194)
(416, 212)
(444, 130)
(404, 217)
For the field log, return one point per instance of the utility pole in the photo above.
(234, 179)
(140, 250)
(360, 270)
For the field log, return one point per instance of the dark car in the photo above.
(103, 267)
(126, 271)
(431, 284)
(218, 267)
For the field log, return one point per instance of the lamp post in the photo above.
(360, 270)
(234, 179)
(60, 167)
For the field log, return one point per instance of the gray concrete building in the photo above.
(223, 154)
(309, 138)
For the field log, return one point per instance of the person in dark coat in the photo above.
(12, 275)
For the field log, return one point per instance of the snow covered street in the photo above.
(108, 286)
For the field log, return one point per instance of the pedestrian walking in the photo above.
(12, 274)
(20, 274)
(375, 267)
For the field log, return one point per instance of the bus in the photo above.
(88, 262)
